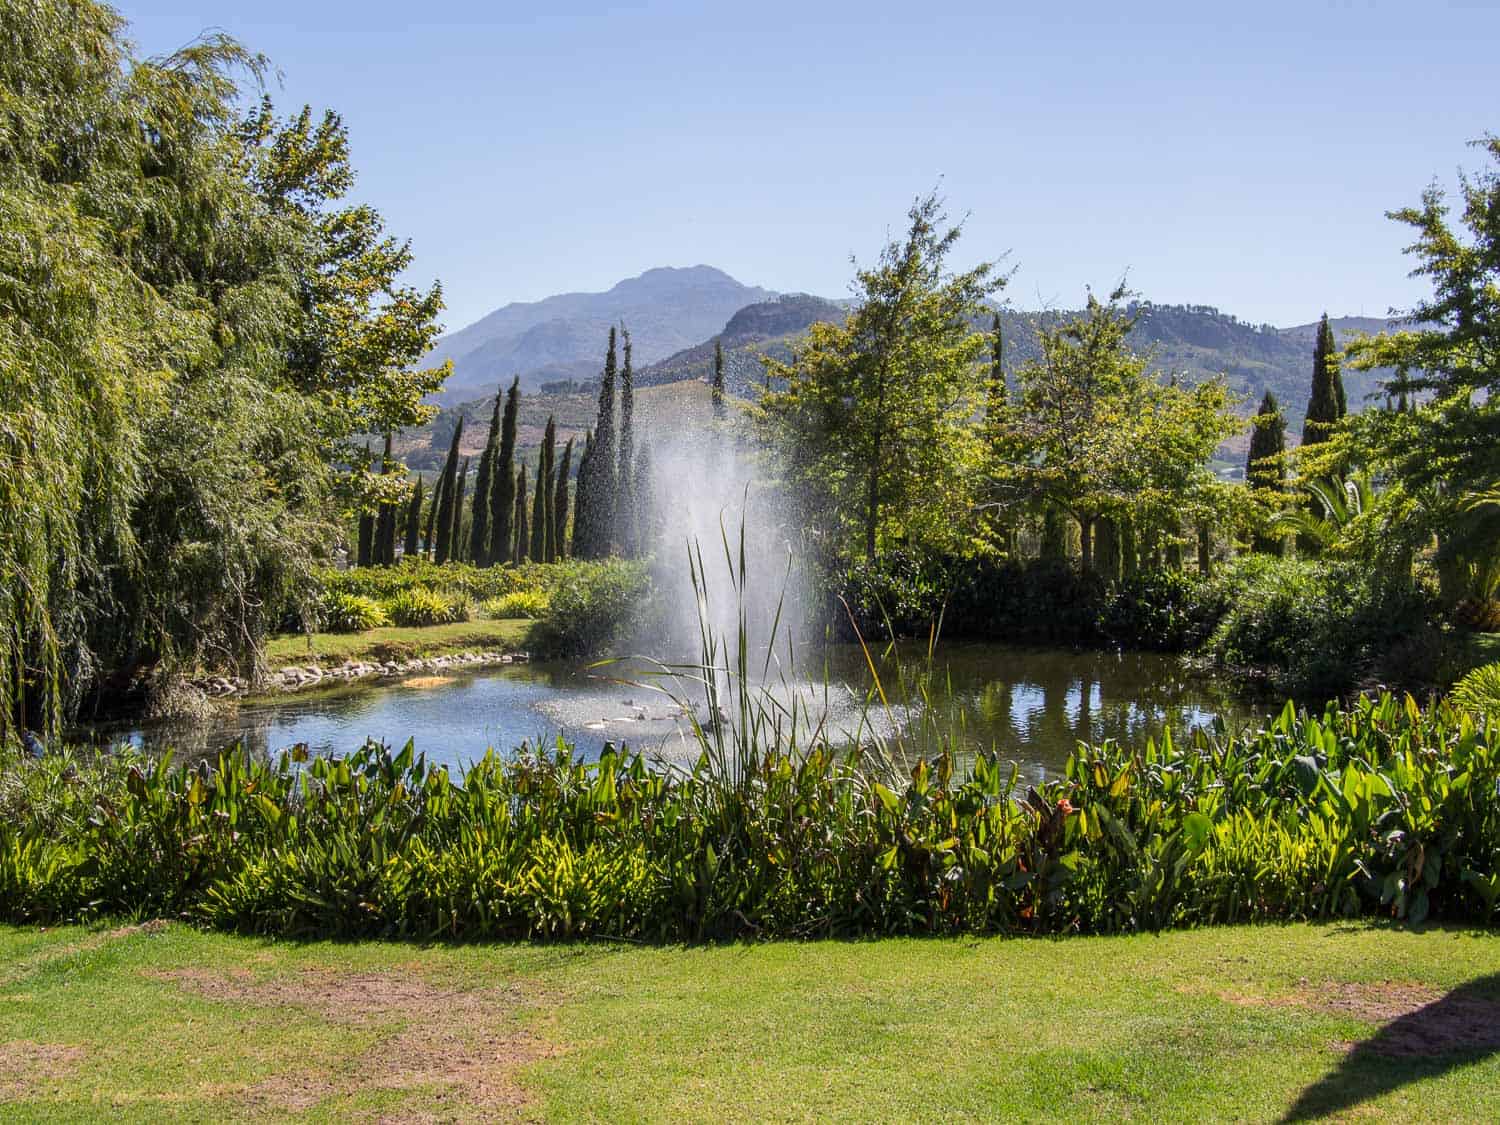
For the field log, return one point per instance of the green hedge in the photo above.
(1381, 810)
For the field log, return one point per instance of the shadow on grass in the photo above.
(1456, 1030)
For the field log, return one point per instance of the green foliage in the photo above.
(194, 328)
(1479, 691)
(421, 606)
(1444, 447)
(352, 613)
(1314, 626)
(521, 603)
(873, 426)
(1327, 403)
(594, 607)
(1380, 810)
(1091, 432)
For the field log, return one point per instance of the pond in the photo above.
(1031, 705)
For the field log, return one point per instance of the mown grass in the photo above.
(396, 642)
(1199, 1025)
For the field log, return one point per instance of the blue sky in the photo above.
(1237, 155)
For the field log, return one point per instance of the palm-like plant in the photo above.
(1336, 504)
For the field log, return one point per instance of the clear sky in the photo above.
(1240, 155)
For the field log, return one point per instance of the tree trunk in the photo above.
(1205, 548)
(1086, 543)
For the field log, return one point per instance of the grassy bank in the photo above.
(1234, 1023)
(396, 642)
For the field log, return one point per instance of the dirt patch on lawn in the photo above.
(461, 1049)
(27, 1067)
(1417, 1020)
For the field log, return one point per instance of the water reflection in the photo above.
(1031, 705)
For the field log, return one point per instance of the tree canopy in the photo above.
(194, 332)
(873, 423)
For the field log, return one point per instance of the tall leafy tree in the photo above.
(1093, 434)
(1441, 455)
(874, 423)
(413, 522)
(720, 409)
(195, 329)
(385, 522)
(503, 488)
(448, 504)
(1327, 403)
(479, 533)
(560, 503)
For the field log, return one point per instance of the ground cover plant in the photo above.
(1379, 810)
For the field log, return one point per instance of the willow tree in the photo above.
(873, 425)
(193, 332)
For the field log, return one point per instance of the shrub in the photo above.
(421, 606)
(1381, 810)
(1316, 626)
(352, 613)
(593, 607)
(1163, 610)
(522, 603)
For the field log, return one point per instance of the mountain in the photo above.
(765, 328)
(563, 337)
(1194, 342)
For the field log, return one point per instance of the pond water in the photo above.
(1031, 705)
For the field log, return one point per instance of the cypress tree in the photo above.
(539, 512)
(1263, 467)
(542, 498)
(522, 537)
(625, 514)
(479, 530)
(457, 552)
(503, 481)
(721, 411)
(413, 522)
(1327, 404)
(602, 467)
(583, 519)
(560, 504)
(366, 549)
(385, 522)
(447, 508)
(995, 383)
(429, 543)
(549, 448)
(645, 502)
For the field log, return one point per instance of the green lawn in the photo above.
(1247, 1024)
(395, 642)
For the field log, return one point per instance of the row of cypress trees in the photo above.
(513, 521)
